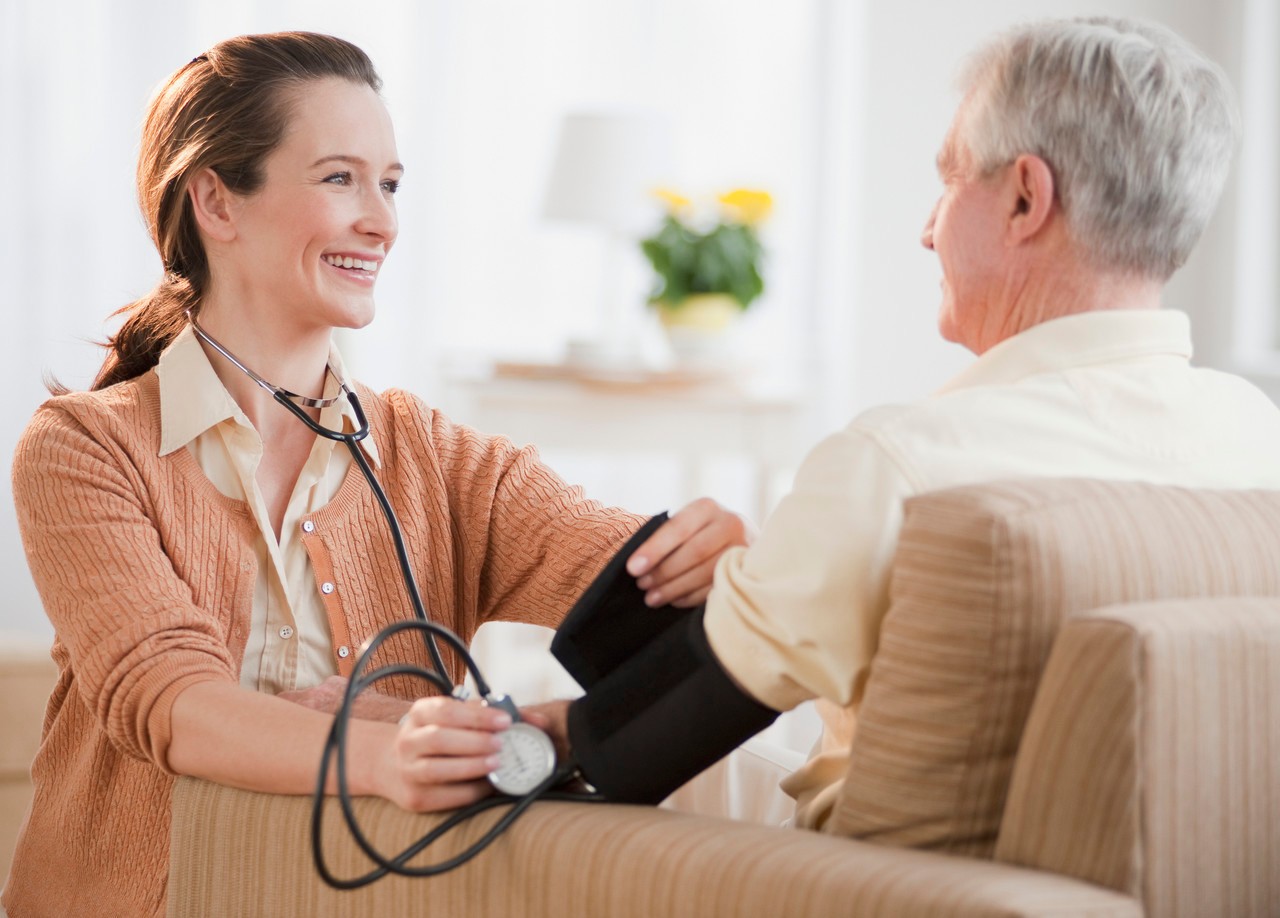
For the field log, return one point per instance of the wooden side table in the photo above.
(692, 415)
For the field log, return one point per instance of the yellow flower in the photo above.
(747, 205)
(675, 201)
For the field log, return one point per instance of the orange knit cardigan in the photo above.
(146, 571)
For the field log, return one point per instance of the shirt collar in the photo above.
(1079, 340)
(193, 399)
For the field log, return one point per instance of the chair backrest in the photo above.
(1151, 760)
(984, 578)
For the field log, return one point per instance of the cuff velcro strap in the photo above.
(661, 717)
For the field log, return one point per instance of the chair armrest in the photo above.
(1149, 764)
(236, 853)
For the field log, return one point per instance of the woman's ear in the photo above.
(213, 205)
(1032, 190)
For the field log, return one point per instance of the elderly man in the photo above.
(1081, 167)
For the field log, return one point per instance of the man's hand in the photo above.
(675, 565)
(552, 718)
(369, 705)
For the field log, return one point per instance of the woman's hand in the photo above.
(442, 755)
(328, 695)
(675, 565)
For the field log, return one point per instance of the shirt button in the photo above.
(308, 526)
(286, 632)
(344, 651)
(326, 587)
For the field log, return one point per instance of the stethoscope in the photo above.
(527, 762)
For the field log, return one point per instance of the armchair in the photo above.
(1074, 710)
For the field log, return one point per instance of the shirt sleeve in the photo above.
(797, 615)
(132, 633)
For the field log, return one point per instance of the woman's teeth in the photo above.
(339, 261)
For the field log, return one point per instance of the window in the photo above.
(1257, 319)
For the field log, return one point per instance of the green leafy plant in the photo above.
(723, 255)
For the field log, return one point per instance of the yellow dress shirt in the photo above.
(289, 645)
(1108, 395)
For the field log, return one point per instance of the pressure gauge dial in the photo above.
(527, 758)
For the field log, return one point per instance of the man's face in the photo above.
(965, 230)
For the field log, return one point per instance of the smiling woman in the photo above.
(209, 563)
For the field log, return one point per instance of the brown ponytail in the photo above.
(226, 110)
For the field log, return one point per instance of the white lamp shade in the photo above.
(606, 168)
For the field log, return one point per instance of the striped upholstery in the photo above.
(1146, 783)
(1151, 759)
(983, 580)
(236, 853)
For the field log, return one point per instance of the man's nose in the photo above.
(926, 237)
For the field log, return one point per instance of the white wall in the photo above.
(914, 54)
(883, 72)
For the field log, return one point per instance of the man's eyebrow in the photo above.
(353, 160)
(946, 157)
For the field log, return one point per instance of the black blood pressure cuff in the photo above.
(659, 707)
(662, 717)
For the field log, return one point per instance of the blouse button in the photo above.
(286, 632)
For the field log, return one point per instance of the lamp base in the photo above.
(613, 355)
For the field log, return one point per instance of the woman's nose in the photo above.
(378, 217)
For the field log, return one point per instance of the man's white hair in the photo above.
(1137, 126)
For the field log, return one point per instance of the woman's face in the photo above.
(310, 243)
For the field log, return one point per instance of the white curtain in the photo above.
(834, 106)
(476, 91)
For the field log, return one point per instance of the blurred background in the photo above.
(516, 299)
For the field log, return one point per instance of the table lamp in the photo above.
(606, 166)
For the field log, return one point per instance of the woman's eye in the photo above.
(338, 178)
(391, 186)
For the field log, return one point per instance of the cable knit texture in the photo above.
(146, 572)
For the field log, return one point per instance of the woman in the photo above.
(209, 563)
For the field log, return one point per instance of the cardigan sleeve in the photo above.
(133, 635)
(532, 542)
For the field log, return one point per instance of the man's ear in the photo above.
(1031, 190)
(213, 205)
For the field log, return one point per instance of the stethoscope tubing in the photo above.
(393, 522)
(298, 405)
(335, 750)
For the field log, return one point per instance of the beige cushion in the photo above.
(983, 580)
(236, 853)
(27, 675)
(1151, 759)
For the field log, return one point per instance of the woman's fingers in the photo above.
(685, 591)
(690, 568)
(671, 535)
(444, 750)
(437, 740)
(676, 564)
(448, 712)
(449, 769)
